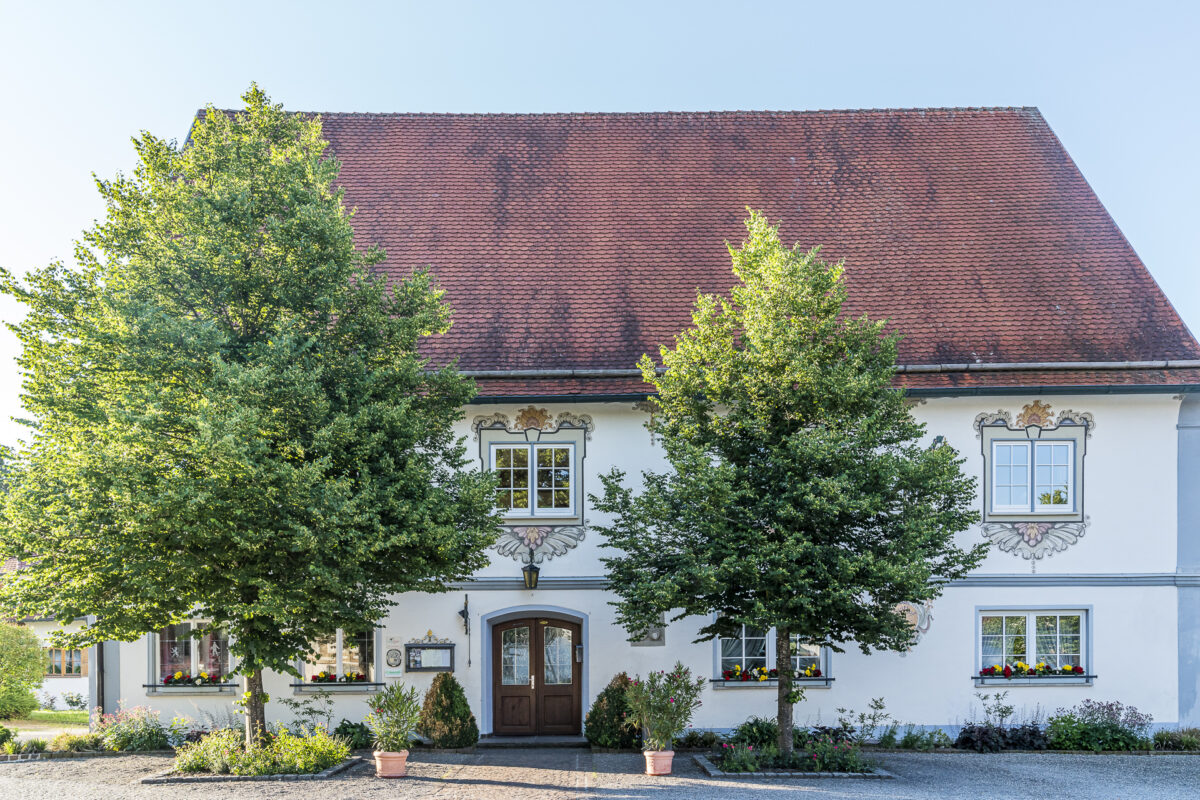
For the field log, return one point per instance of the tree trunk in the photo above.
(256, 714)
(783, 663)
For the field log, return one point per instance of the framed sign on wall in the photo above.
(429, 654)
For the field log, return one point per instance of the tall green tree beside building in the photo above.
(797, 495)
(230, 418)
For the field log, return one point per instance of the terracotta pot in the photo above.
(391, 765)
(658, 762)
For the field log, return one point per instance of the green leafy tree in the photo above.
(232, 422)
(22, 666)
(797, 495)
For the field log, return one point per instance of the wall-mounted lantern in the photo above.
(530, 572)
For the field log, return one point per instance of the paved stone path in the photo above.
(563, 773)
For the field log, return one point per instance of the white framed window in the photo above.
(1057, 638)
(535, 480)
(179, 653)
(1033, 476)
(755, 648)
(342, 656)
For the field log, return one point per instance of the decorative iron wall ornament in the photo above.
(536, 544)
(920, 617)
(1034, 539)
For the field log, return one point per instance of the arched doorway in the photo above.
(535, 671)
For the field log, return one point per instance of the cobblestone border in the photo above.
(711, 770)
(171, 776)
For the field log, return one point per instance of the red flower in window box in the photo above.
(1078, 670)
(324, 677)
(1007, 671)
(353, 677)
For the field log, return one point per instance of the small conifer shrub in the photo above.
(446, 718)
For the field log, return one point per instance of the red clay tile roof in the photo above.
(579, 240)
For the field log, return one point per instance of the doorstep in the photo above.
(510, 742)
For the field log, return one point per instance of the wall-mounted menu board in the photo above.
(429, 657)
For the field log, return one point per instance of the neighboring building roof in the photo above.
(578, 241)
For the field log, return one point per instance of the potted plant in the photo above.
(663, 705)
(395, 713)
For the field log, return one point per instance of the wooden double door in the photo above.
(537, 665)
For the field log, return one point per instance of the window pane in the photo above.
(804, 655)
(503, 457)
(991, 626)
(731, 649)
(214, 654)
(174, 650)
(514, 656)
(1069, 624)
(557, 655)
(325, 656)
(358, 653)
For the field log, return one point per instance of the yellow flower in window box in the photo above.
(178, 675)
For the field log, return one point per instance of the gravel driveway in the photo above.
(546, 774)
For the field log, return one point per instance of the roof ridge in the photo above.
(907, 111)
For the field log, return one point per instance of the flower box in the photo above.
(721, 683)
(1023, 670)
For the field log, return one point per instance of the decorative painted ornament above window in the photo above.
(1033, 487)
(538, 458)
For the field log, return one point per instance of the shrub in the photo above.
(609, 722)
(980, 737)
(819, 754)
(76, 742)
(1097, 726)
(663, 704)
(21, 670)
(395, 715)
(739, 757)
(284, 753)
(74, 701)
(133, 729)
(6, 734)
(756, 732)
(1183, 739)
(47, 701)
(868, 723)
(357, 734)
(13, 747)
(888, 737)
(1026, 737)
(698, 740)
(446, 718)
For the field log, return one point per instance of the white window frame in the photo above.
(1031, 449)
(339, 669)
(532, 448)
(719, 667)
(156, 654)
(1032, 656)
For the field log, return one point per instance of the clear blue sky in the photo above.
(1117, 81)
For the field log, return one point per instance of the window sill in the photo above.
(357, 687)
(1039, 680)
(64, 676)
(218, 688)
(815, 683)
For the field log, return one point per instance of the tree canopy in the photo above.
(799, 495)
(231, 420)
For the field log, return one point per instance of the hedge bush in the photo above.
(446, 718)
(609, 721)
(283, 753)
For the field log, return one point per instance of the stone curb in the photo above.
(713, 772)
(54, 755)
(171, 776)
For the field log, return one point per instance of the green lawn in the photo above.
(63, 717)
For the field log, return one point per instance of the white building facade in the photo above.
(1036, 344)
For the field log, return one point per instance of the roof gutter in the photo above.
(1021, 366)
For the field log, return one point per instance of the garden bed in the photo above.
(174, 776)
(712, 770)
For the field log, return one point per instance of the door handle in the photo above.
(532, 680)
